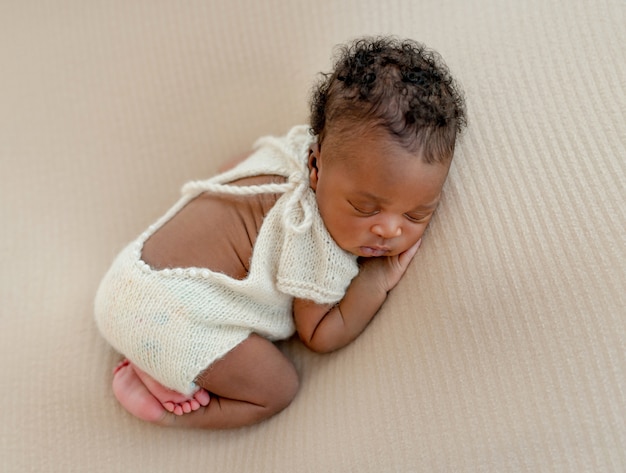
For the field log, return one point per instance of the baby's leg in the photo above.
(144, 397)
(251, 383)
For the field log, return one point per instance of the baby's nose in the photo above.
(387, 229)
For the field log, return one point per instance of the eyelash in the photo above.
(416, 220)
(369, 214)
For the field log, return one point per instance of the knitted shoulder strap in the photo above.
(298, 215)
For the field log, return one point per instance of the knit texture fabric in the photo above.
(173, 323)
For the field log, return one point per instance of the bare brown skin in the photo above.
(208, 222)
(255, 380)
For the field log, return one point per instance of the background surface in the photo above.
(503, 349)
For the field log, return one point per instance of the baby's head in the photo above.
(387, 119)
(397, 85)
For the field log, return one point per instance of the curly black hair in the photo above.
(398, 85)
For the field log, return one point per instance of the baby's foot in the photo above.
(120, 365)
(133, 395)
(146, 398)
(173, 401)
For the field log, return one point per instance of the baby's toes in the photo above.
(169, 406)
(178, 410)
(195, 405)
(203, 397)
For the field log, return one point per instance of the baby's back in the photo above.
(216, 232)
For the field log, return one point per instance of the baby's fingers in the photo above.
(405, 258)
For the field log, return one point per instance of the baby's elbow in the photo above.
(320, 345)
(318, 348)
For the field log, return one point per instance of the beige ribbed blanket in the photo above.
(502, 350)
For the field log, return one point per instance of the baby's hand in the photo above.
(388, 270)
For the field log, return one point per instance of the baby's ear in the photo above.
(314, 154)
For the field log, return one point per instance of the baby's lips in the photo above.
(373, 252)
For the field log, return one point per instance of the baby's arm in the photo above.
(324, 328)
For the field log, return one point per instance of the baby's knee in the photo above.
(285, 390)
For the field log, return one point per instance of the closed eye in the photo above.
(363, 211)
(417, 218)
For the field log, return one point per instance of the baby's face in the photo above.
(375, 197)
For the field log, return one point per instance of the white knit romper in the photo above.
(173, 323)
